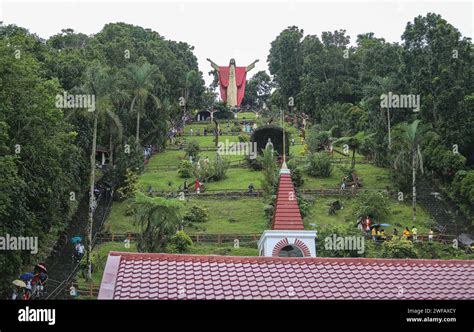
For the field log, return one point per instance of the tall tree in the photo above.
(439, 66)
(285, 61)
(141, 86)
(99, 84)
(409, 138)
(354, 143)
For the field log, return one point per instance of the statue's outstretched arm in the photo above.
(251, 66)
(213, 64)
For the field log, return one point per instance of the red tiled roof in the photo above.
(171, 276)
(287, 214)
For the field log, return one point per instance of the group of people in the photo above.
(147, 151)
(198, 186)
(79, 249)
(377, 233)
(31, 285)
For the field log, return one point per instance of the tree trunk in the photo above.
(389, 134)
(91, 199)
(413, 169)
(111, 152)
(138, 127)
(353, 158)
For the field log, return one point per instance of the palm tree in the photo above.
(386, 84)
(98, 83)
(409, 138)
(158, 219)
(141, 84)
(354, 143)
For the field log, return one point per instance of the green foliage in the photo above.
(354, 143)
(463, 189)
(219, 168)
(186, 169)
(197, 214)
(441, 161)
(339, 231)
(236, 128)
(399, 248)
(371, 203)
(215, 170)
(158, 220)
(304, 206)
(268, 211)
(244, 138)
(192, 149)
(129, 187)
(318, 164)
(317, 140)
(257, 89)
(296, 174)
(270, 172)
(181, 242)
(285, 61)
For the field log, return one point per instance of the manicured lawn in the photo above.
(230, 216)
(237, 178)
(167, 158)
(160, 180)
(246, 115)
(221, 249)
(226, 215)
(372, 177)
(400, 213)
(118, 222)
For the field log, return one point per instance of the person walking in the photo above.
(197, 186)
(414, 233)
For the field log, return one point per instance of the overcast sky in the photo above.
(225, 29)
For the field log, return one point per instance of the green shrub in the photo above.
(399, 248)
(304, 206)
(196, 214)
(270, 172)
(129, 186)
(186, 169)
(181, 241)
(319, 164)
(215, 170)
(219, 168)
(371, 203)
(236, 128)
(463, 190)
(296, 174)
(244, 138)
(317, 140)
(192, 149)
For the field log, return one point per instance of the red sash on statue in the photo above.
(240, 79)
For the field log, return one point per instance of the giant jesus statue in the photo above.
(232, 82)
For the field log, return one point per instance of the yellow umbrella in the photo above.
(19, 283)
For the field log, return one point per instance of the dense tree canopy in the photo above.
(45, 150)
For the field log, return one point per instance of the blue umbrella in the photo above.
(76, 239)
(27, 276)
(380, 225)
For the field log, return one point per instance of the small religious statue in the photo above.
(269, 144)
(232, 82)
